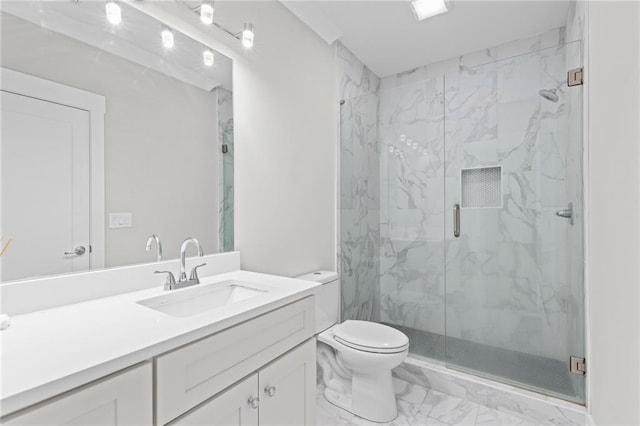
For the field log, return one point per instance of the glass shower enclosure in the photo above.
(461, 224)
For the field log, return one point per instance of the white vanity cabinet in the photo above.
(192, 374)
(261, 371)
(125, 398)
(281, 393)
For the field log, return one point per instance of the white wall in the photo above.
(284, 121)
(613, 75)
(166, 175)
(284, 103)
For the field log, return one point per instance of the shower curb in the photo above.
(491, 394)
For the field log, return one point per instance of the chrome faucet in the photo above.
(183, 252)
(182, 282)
(152, 238)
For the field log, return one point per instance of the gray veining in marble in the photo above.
(432, 396)
(225, 175)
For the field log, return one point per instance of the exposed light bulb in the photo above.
(409, 142)
(167, 37)
(247, 35)
(390, 149)
(208, 57)
(206, 12)
(114, 13)
(403, 138)
(415, 145)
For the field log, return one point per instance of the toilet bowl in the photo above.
(369, 351)
(365, 352)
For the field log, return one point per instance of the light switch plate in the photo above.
(120, 220)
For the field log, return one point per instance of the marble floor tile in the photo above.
(421, 406)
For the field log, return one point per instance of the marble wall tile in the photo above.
(359, 183)
(225, 174)
(354, 78)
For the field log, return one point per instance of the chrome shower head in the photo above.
(549, 94)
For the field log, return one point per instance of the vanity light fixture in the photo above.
(206, 9)
(423, 9)
(247, 35)
(114, 13)
(206, 12)
(167, 37)
(208, 57)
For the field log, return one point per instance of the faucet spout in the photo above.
(183, 252)
(152, 238)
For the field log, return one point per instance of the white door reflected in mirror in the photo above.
(45, 171)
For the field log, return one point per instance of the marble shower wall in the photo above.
(359, 201)
(507, 275)
(412, 162)
(225, 136)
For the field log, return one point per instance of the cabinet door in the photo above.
(287, 388)
(121, 399)
(231, 407)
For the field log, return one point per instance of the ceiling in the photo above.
(387, 38)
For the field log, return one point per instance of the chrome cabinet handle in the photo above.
(254, 402)
(456, 220)
(78, 251)
(270, 390)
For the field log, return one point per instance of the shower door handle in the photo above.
(456, 220)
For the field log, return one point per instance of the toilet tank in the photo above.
(327, 298)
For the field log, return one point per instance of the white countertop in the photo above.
(48, 352)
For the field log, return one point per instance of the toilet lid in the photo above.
(370, 336)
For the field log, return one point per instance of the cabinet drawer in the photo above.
(190, 375)
(122, 399)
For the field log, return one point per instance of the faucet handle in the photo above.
(170, 278)
(194, 273)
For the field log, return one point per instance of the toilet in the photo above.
(368, 351)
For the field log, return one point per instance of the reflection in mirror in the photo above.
(108, 137)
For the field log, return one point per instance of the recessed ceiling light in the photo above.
(423, 9)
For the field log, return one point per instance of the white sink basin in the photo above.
(195, 300)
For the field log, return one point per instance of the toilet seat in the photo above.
(370, 337)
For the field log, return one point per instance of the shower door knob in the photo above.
(78, 251)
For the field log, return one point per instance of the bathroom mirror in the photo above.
(114, 127)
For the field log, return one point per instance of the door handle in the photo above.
(456, 220)
(78, 251)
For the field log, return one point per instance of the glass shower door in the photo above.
(514, 274)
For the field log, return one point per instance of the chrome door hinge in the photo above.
(575, 77)
(577, 365)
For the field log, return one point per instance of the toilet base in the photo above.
(374, 398)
